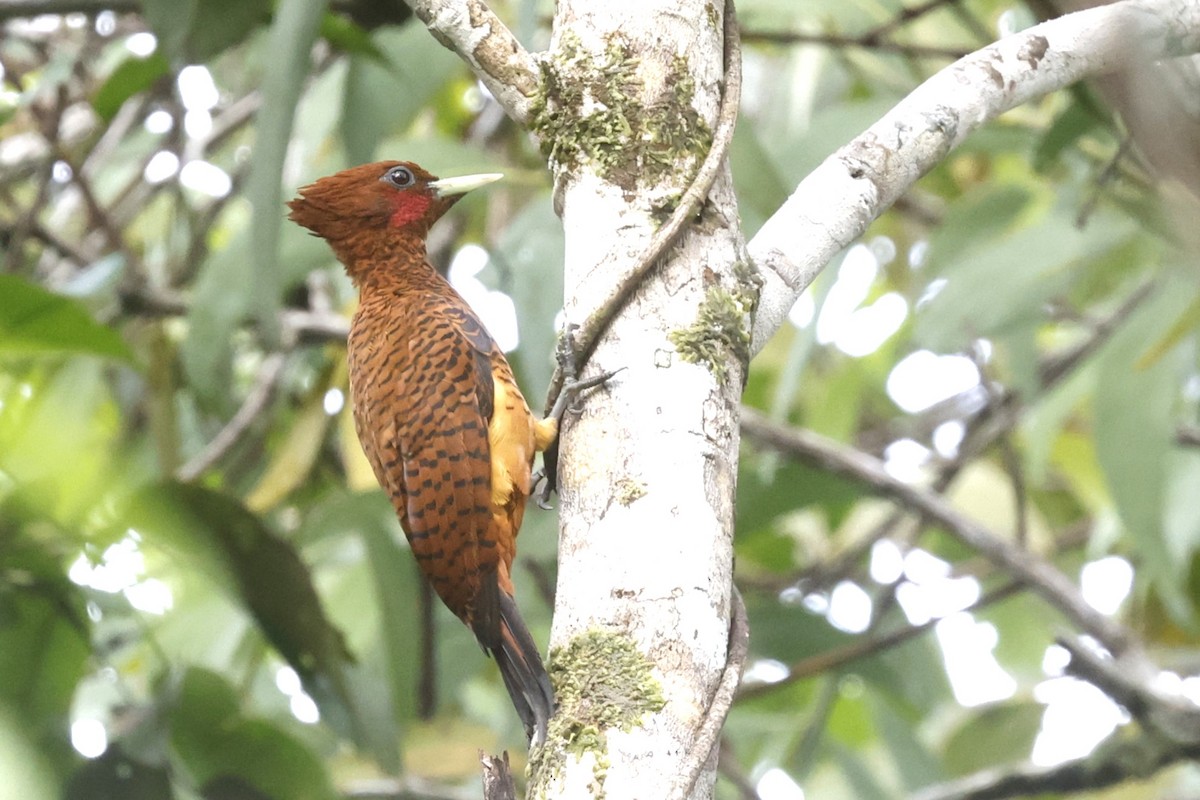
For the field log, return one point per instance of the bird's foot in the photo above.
(545, 480)
(542, 489)
(571, 391)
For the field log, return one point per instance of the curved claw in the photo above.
(541, 491)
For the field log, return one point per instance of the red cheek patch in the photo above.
(408, 208)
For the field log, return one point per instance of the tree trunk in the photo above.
(648, 470)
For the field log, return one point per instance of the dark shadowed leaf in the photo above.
(766, 492)
(115, 776)
(194, 31)
(221, 23)
(44, 642)
(347, 36)
(217, 534)
(1076, 121)
(221, 747)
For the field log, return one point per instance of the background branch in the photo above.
(837, 201)
(1044, 579)
(471, 29)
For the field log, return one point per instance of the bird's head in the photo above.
(376, 198)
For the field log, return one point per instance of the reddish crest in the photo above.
(360, 211)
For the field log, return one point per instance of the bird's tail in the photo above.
(524, 675)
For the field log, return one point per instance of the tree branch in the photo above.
(866, 647)
(839, 40)
(1041, 577)
(470, 29)
(1174, 718)
(255, 404)
(1115, 762)
(836, 203)
(14, 9)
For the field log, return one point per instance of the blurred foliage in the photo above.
(199, 609)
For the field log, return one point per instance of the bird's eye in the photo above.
(400, 177)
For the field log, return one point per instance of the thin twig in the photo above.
(1115, 762)
(497, 777)
(863, 42)
(253, 406)
(1188, 436)
(732, 770)
(1173, 717)
(839, 657)
(904, 16)
(484, 42)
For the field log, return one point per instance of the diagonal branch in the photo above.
(1040, 576)
(1111, 764)
(834, 205)
(471, 29)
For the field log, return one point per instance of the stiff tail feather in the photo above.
(524, 675)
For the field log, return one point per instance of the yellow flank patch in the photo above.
(545, 432)
(511, 440)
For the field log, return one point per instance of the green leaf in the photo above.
(998, 734)
(973, 221)
(220, 24)
(349, 37)
(763, 494)
(171, 20)
(194, 31)
(34, 321)
(1074, 122)
(529, 257)
(44, 641)
(290, 43)
(413, 68)
(1002, 287)
(862, 776)
(133, 75)
(59, 430)
(221, 303)
(216, 742)
(374, 600)
(759, 188)
(913, 761)
(27, 776)
(1135, 426)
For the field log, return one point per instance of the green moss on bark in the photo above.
(722, 325)
(602, 682)
(592, 110)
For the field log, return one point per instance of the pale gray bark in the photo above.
(648, 474)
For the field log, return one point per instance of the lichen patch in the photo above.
(632, 123)
(602, 683)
